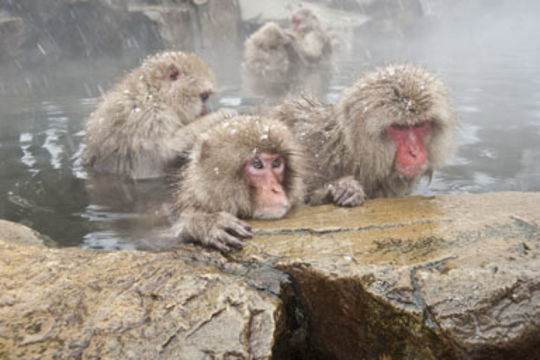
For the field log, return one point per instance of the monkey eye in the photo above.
(173, 74)
(399, 126)
(257, 163)
(205, 95)
(420, 124)
(276, 163)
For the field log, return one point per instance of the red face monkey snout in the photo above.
(411, 154)
(265, 173)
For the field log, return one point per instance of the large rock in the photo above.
(449, 277)
(74, 303)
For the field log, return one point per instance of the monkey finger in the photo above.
(340, 195)
(230, 240)
(353, 200)
(240, 228)
(242, 232)
(219, 245)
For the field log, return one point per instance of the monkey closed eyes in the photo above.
(395, 125)
(411, 154)
(244, 167)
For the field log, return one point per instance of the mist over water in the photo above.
(486, 51)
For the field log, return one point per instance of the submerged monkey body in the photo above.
(273, 52)
(350, 144)
(134, 131)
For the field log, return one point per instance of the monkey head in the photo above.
(267, 48)
(180, 80)
(247, 166)
(304, 20)
(400, 119)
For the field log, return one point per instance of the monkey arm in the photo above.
(219, 230)
(312, 46)
(184, 138)
(345, 191)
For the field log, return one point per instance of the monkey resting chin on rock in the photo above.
(244, 167)
(392, 127)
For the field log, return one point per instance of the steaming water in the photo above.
(491, 62)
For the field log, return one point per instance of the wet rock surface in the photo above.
(449, 277)
(74, 303)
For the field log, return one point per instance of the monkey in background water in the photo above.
(278, 61)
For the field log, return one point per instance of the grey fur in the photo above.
(348, 140)
(136, 128)
(213, 192)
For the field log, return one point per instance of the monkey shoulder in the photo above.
(302, 109)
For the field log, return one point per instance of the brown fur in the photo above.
(132, 132)
(347, 144)
(213, 189)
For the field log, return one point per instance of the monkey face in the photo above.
(187, 93)
(304, 20)
(181, 81)
(411, 155)
(265, 173)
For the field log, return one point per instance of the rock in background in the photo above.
(45, 30)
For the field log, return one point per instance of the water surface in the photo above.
(490, 61)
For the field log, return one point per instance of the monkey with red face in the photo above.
(148, 118)
(391, 128)
(244, 167)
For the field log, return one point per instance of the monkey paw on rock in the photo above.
(346, 191)
(221, 230)
(226, 232)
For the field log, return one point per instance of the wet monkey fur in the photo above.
(138, 127)
(244, 167)
(392, 127)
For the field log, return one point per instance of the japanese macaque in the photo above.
(311, 41)
(279, 61)
(391, 128)
(145, 121)
(268, 50)
(244, 167)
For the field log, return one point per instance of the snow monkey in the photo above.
(140, 125)
(391, 128)
(244, 167)
(311, 41)
(268, 50)
(272, 51)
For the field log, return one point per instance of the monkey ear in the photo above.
(172, 73)
(204, 152)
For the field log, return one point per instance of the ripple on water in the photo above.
(106, 240)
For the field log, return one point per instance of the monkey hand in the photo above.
(225, 232)
(221, 230)
(346, 191)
